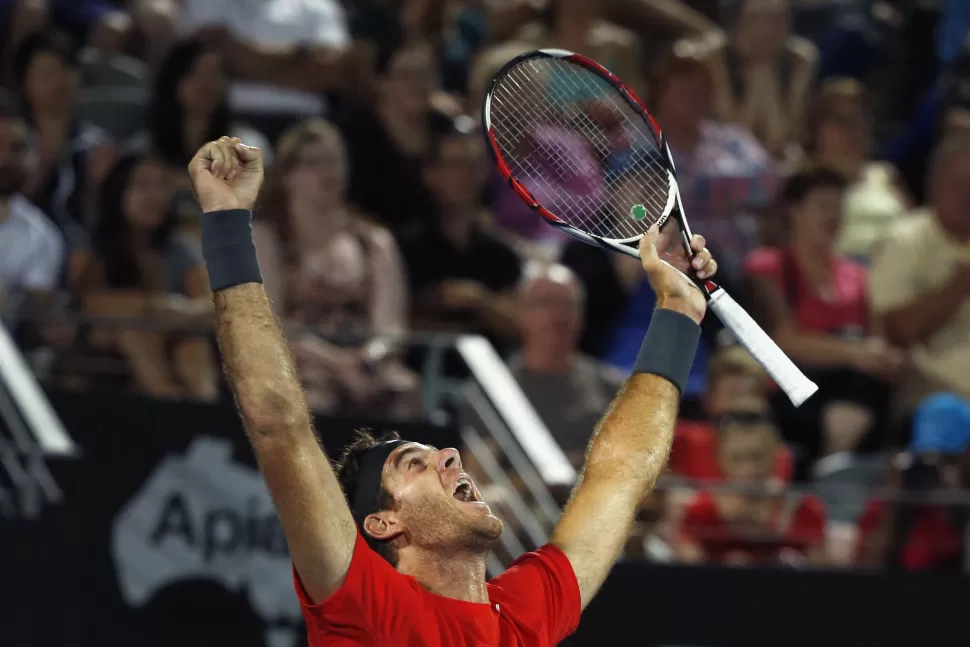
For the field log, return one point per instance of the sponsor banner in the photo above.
(167, 538)
(173, 530)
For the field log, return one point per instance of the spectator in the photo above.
(138, 264)
(285, 54)
(814, 302)
(839, 135)
(101, 24)
(736, 383)
(727, 179)
(31, 248)
(920, 280)
(917, 536)
(462, 275)
(388, 142)
(569, 390)
(72, 158)
(658, 22)
(762, 73)
(191, 106)
(578, 25)
(326, 265)
(754, 525)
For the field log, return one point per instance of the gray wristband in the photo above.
(668, 347)
(228, 249)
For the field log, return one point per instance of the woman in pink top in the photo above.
(814, 304)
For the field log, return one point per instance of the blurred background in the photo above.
(420, 295)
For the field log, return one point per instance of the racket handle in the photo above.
(782, 370)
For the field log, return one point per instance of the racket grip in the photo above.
(782, 370)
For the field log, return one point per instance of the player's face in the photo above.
(951, 193)
(746, 453)
(551, 313)
(148, 195)
(437, 503)
(319, 174)
(818, 218)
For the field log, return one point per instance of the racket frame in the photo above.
(674, 205)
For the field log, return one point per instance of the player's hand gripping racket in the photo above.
(581, 150)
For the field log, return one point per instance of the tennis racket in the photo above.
(583, 152)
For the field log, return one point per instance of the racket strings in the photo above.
(580, 148)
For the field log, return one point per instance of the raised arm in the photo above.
(632, 442)
(319, 529)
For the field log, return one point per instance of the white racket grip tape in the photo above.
(783, 371)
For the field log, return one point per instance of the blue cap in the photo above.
(941, 425)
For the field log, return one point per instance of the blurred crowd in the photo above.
(822, 147)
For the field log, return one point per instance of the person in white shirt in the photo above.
(31, 248)
(285, 53)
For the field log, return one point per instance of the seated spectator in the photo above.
(922, 536)
(31, 248)
(462, 275)
(387, 141)
(656, 22)
(100, 24)
(138, 264)
(72, 158)
(727, 179)
(569, 390)
(736, 384)
(762, 73)
(920, 279)
(284, 55)
(326, 265)
(579, 26)
(191, 107)
(815, 307)
(839, 136)
(739, 527)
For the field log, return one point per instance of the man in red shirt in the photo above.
(404, 563)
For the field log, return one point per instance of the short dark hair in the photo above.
(50, 41)
(802, 182)
(348, 471)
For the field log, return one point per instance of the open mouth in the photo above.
(465, 491)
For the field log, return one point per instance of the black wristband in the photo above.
(668, 347)
(228, 248)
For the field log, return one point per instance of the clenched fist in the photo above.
(226, 174)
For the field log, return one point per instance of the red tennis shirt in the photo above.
(534, 603)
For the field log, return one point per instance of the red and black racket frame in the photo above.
(706, 286)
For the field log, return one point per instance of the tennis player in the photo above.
(401, 559)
